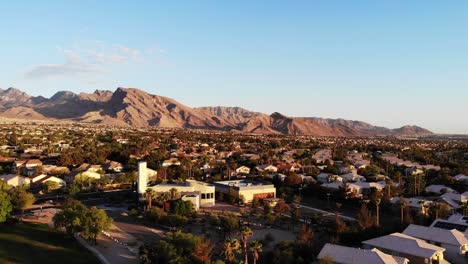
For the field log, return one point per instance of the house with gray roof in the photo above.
(416, 250)
(348, 255)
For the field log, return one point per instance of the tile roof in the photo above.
(405, 244)
(349, 255)
(452, 237)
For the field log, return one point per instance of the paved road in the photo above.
(325, 213)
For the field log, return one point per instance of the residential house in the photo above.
(14, 180)
(453, 199)
(455, 221)
(416, 250)
(266, 168)
(348, 255)
(26, 167)
(171, 162)
(461, 178)
(42, 178)
(416, 205)
(326, 178)
(243, 170)
(414, 170)
(438, 189)
(353, 177)
(113, 166)
(454, 241)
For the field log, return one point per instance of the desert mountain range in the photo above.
(129, 106)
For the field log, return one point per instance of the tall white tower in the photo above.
(142, 178)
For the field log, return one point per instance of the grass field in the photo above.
(37, 243)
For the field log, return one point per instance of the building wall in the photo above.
(142, 178)
(194, 199)
(249, 192)
(206, 191)
(261, 193)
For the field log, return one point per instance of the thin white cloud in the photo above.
(73, 66)
(87, 60)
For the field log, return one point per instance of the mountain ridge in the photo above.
(134, 107)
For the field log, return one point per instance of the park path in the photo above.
(113, 247)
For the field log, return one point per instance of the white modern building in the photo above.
(142, 183)
(247, 189)
(200, 193)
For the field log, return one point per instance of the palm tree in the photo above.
(174, 193)
(377, 214)
(150, 196)
(230, 248)
(436, 206)
(163, 197)
(256, 248)
(403, 204)
(245, 233)
(464, 207)
(421, 204)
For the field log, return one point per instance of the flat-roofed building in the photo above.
(247, 189)
(193, 189)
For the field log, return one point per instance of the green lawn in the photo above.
(34, 243)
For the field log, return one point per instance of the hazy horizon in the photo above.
(387, 63)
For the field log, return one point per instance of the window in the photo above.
(203, 196)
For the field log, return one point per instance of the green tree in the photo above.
(94, 222)
(156, 214)
(71, 217)
(161, 252)
(229, 223)
(5, 202)
(50, 186)
(183, 208)
(21, 199)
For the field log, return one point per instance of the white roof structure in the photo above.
(368, 185)
(451, 237)
(349, 255)
(353, 177)
(402, 243)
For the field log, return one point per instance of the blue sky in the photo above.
(389, 63)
